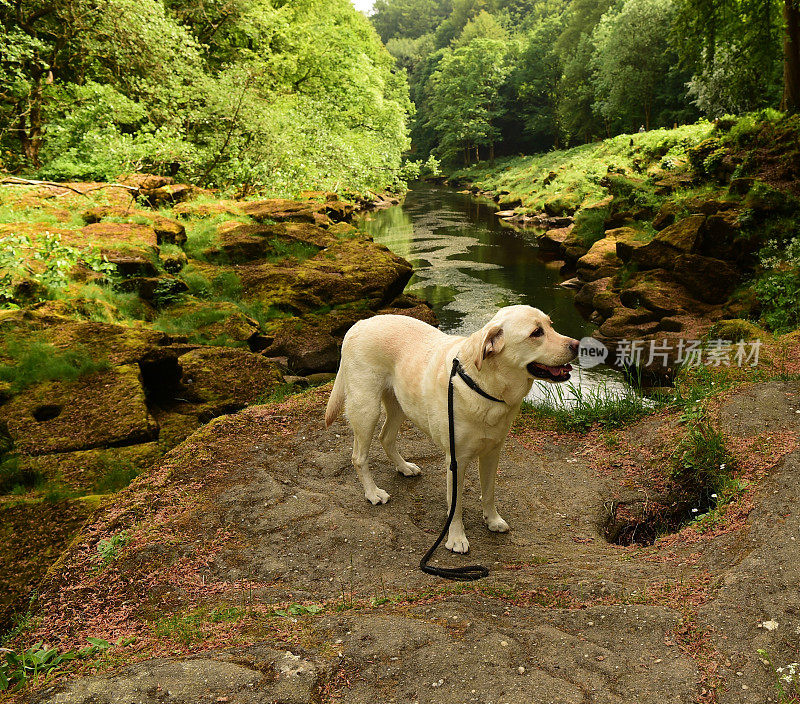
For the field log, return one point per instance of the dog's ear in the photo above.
(491, 342)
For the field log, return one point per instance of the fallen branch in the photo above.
(15, 181)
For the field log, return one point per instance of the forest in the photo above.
(523, 76)
(275, 96)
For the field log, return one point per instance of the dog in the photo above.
(404, 364)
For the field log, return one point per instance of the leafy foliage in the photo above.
(20, 666)
(31, 268)
(279, 96)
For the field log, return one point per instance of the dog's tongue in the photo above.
(556, 370)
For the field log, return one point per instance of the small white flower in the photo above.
(694, 510)
(722, 466)
(713, 496)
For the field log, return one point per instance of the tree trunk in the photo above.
(491, 152)
(791, 57)
(30, 129)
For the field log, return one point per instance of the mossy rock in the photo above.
(223, 379)
(98, 410)
(191, 209)
(347, 271)
(84, 469)
(118, 344)
(709, 279)
(601, 260)
(33, 535)
(658, 291)
(113, 235)
(736, 329)
(209, 322)
(280, 209)
(682, 237)
(238, 242)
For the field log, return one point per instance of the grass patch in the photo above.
(34, 361)
(15, 477)
(573, 408)
(116, 475)
(297, 251)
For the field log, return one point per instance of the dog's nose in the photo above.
(573, 346)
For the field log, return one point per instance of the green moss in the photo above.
(33, 361)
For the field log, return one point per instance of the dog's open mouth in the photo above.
(542, 371)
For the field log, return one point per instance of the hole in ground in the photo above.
(47, 412)
(161, 379)
(641, 522)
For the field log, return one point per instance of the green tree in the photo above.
(631, 60)
(465, 98)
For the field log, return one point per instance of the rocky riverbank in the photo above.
(135, 315)
(662, 234)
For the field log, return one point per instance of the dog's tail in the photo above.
(336, 401)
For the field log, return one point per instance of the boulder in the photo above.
(145, 182)
(102, 409)
(173, 261)
(682, 237)
(116, 234)
(168, 194)
(131, 262)
(119, 344)
(238, 242)
(711, 280)
(411, 306)
(157, 290)
(345, 272)
(280, 209)
(211, 322)
(169, 231)
(600, 261)
(657, 291)
(629, 324)
(585, 295)
(553, 240)
(224, 379)
(666, 215)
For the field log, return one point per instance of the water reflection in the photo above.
(467, 264)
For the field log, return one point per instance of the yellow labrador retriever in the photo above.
(405, 364)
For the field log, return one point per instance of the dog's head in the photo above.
(523, 337)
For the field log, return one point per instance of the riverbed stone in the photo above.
(553, 240)
(98, 410)
(658, 291)
(279, 209)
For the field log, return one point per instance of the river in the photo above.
(467, 264)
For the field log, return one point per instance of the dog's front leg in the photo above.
(456, 537)
(488, 470)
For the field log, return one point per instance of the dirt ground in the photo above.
(262, 509)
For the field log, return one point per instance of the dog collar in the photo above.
(469, 381)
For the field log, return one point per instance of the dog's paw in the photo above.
(379, 496)
(497, 524)
(457, 543)
(409, 469)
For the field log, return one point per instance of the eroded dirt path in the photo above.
(262, 509)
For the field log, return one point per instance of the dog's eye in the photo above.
(537, 333)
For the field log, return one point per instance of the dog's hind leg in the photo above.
(363, 410)
(388, 436)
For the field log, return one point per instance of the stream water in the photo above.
(467, 264)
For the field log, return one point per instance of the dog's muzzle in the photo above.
(555, 374)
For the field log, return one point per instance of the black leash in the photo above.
(469, 572)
